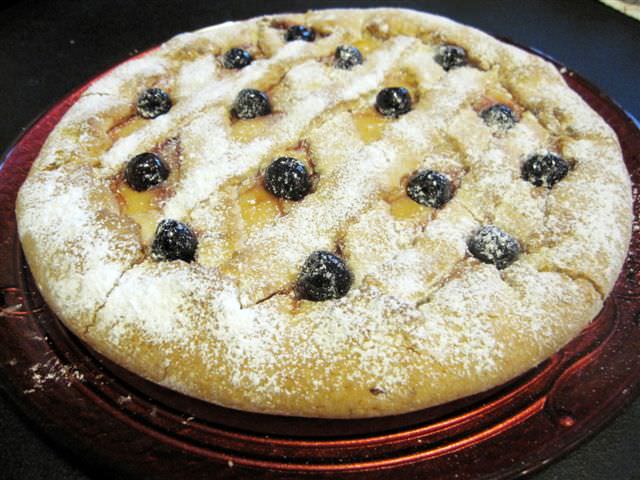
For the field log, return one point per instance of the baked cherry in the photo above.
(347, 57)
(300, 32)
(500, 116)
(236, 58)
(287, 178)
(493, 245)
(145, 170)
(451, 56)
(393, 101)
(545, 169)
(251, 103)
(324, 276)
(153, 102)
(429, 188)
(174, 240)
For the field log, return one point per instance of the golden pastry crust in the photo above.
(424, 322)
(628, 7)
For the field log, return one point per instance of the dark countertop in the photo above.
(51, 47)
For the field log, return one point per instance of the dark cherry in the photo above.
(300, 32)
(429, 188)
(236, 58)
(451, 56)
(500, 116)
(153, 102)
(287, 178)
(545, 169)
(324, 276)
(393, 101)
(145, 170)
(347, 57)
(251, 103)
(174, 241)
(493, 245)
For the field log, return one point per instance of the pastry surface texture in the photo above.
(343, 213)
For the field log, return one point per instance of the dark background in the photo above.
(48, 48)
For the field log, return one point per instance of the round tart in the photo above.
(343, 213)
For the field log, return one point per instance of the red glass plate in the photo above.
(112, 416)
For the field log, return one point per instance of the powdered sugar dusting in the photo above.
(424, 322)
(71, 228)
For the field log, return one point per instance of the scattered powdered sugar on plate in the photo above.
(43, 375)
